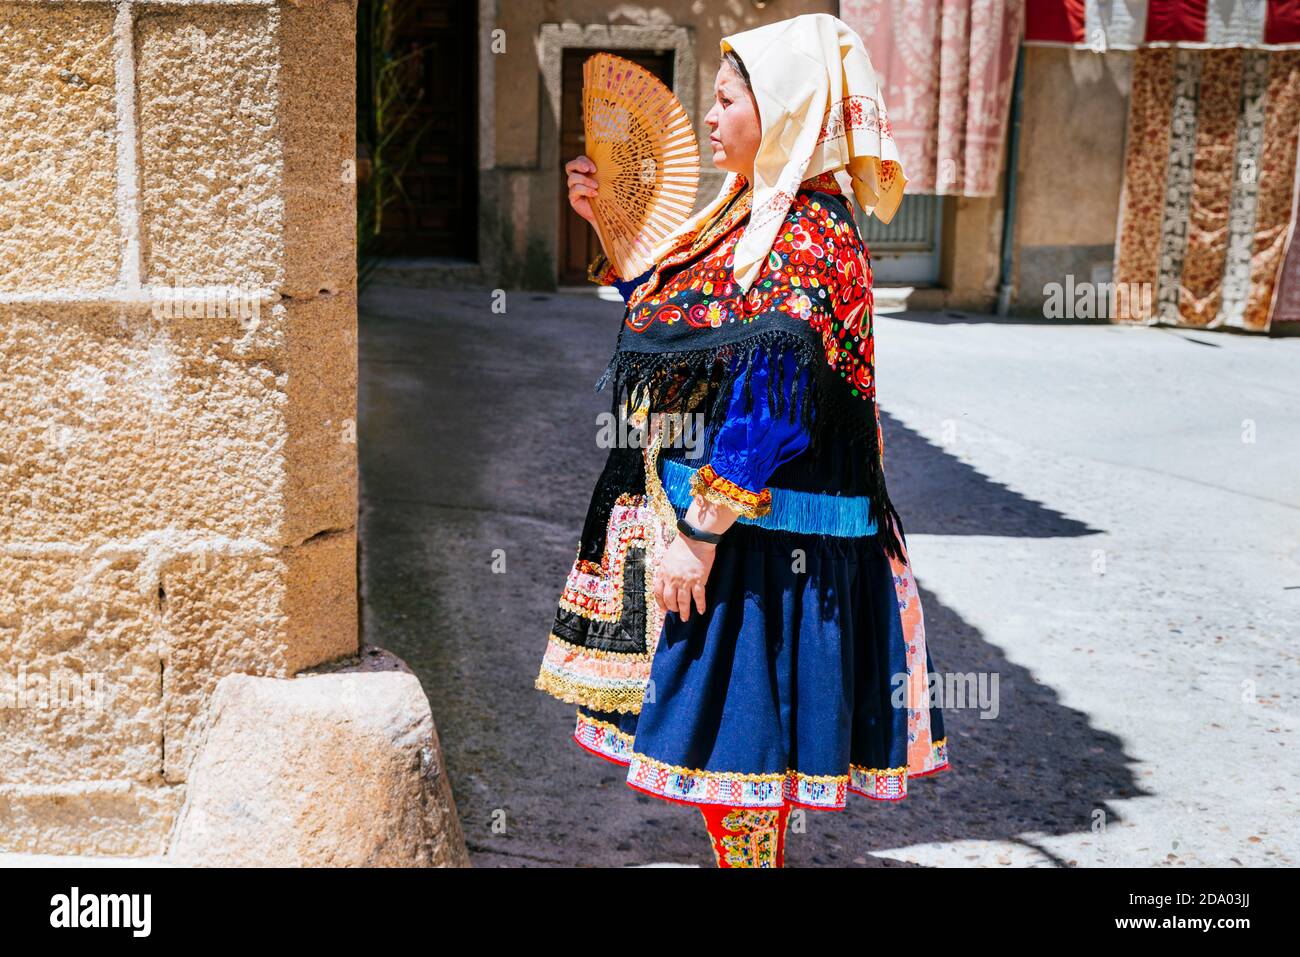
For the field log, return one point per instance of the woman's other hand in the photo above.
(682, 574)
(581, 186)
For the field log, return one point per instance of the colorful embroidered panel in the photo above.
(742, 837)
(607, 624)
(1201, 240)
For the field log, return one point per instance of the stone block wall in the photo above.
(177, 389)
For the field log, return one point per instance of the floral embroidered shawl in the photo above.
(689, 322)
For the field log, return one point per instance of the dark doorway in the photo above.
(431, 207)
(578, 242)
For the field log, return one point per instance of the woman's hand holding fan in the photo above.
(581, 186)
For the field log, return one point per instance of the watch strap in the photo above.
(698, 534)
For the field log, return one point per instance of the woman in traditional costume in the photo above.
(740, 627)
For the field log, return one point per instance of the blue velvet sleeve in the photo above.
(750, 446)
(625, 288)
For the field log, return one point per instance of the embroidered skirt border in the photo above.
(604, 681)
(693, 786)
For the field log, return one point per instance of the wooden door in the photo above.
(438, 213)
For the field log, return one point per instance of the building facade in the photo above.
(1033, 207)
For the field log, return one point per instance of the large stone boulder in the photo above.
(337, 770)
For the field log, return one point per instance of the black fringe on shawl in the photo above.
(663, 378)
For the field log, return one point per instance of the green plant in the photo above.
(386, 101)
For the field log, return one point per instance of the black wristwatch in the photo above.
(698, 534)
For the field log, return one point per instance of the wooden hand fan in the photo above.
(647, 160)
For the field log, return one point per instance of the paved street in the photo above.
(1105, 518)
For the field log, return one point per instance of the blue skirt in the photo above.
(793, 686)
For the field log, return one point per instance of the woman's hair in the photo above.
(732, 59)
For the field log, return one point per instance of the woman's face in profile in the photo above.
(734, 127)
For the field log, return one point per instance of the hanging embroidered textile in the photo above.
(1106, 25)
(1207, 203)
(1286, 302)
(949, 66)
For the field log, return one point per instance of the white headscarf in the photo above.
(821, 108)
